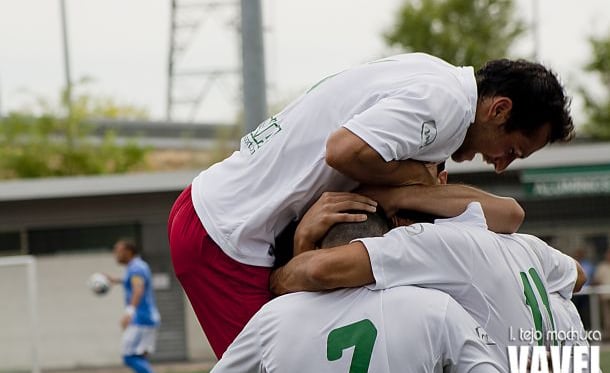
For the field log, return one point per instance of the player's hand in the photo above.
(113, 280)
(331, 208)
(125, 321)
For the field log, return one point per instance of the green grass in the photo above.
(604, 361)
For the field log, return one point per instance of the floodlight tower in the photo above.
(253, 64)
(182, 33)
(66, 51)
(186, 19)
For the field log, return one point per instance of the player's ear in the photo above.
(442, 177)
(500, 109)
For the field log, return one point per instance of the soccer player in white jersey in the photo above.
(502, 281)
(567, 319)
(363, 125)
(405, 329)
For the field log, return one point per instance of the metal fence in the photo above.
(592, 294)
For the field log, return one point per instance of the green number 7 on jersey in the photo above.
(361, 335)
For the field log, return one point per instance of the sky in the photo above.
(122, 45)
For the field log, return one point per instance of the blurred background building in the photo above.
(150, 93)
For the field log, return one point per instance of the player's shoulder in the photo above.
(138, 265)
(430, 302)
(530, 242)
(529, 237)
(437, 84)
(429, 295)
(425, 60)
(287, 304)
(473, 217)
(439, 76)
(472, 220)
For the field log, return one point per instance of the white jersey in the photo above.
(404, 330)
(569, 327)
(411, 106)
(571, 331)
(503, 281)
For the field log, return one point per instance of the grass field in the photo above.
(605, 361)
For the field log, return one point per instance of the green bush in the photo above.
(60, 144)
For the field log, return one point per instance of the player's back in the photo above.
(502, 281)
(512, 279)
(402, 330)
(511, 272)
(234, 198)
(514, 275)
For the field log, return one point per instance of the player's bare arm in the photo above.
(308, 270)
(503, 214)
(581, 277)
(338, 267)
(137, 286)
(350, 155)
(328, 210)
(114, 280)
(324, 269)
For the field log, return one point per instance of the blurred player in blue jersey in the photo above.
(141, 318)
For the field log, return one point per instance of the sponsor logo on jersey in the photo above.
(484, 337)
(261, 135)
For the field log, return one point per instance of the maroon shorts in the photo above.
(223, 292)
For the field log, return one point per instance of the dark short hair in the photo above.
(417, 216)
(129, 244)
(537, 95)
(376, 225)
(440, 167)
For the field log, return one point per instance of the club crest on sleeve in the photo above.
(428, 133)
(414, 229)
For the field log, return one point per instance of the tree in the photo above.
(598, 109)
(462, 32)
(50, 140)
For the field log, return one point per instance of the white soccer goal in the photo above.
(31, 289)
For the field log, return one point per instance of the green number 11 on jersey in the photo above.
(543, 317)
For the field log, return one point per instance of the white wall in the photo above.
(77, 328)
